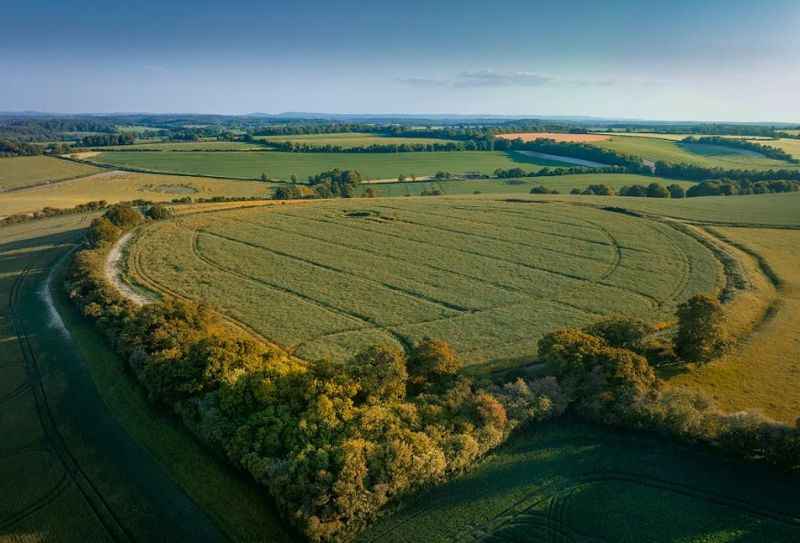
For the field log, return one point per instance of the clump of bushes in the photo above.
(540, 189)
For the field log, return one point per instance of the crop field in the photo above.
(570, 482)
(751, 210)
(490, 277)
(762, 373)
(125, 186)
(281, 165)
(531, 136)
(70, 474)
(187, 146)
(673, 137)
(710, 156)
(561, 183)
(350, 139)
(34, 170)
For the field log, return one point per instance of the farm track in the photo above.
(56, 443)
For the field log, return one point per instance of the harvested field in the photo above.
(115, 186)
(18, 172)
(531, 136)
(490, 277)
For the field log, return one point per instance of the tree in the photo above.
(264, 177)
(401, 177)
(432, 363)
(293, 178)
(655, 190)
(124, 216)
(159, 212)
(623, 333)
(676, 191)
(700, 335)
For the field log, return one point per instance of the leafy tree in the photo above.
(700, 335)
(432, 362)
(124, 216)
(676, 191)
(159, 212)
(620, 332)
(655, 190)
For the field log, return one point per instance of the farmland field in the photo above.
(187, 146)
(125, 186)
(69, 480)
(709, 156)
(674, 137)
(280, 165)
(349, 139)
(574, 482)
(789, 145)
(531, 136)
(752, 210)
(33, 170)
(762, 373)
(561, 183)
(490, 277)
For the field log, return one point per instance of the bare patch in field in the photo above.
(531, 136)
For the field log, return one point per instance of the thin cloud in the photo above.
(494, 79)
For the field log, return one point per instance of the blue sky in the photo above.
(710, 60)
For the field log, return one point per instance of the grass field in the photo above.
(25, 171)
(762, 373)
(125, 186)
(280, 165)
(709, 156)
(187, 146)
(349, 139)
(569, 482)
(562, 183)
(488, 276)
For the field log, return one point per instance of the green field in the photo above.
(490, 277)
(126, 186)
(709, 156)
(280, 165)
(350, 139)
(90, 393)
(570, 482)
(187, 146)
(753, 210)
(25, 171)
(561, 183)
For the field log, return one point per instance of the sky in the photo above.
(723, 60)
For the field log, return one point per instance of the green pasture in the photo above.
(18, 172)
(281, 165)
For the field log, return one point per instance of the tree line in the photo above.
(692, 172)
(102, 140)
(9, 148)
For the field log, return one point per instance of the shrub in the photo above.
(700, 335)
